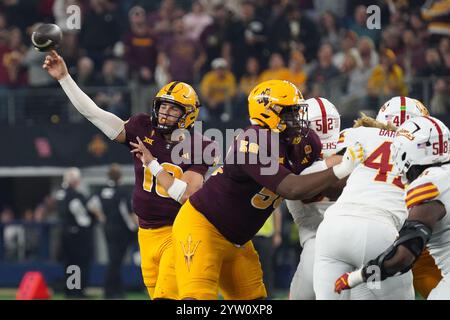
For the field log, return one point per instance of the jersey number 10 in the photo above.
(147, 185)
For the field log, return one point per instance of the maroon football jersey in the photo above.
(151, 202)
(239, 198)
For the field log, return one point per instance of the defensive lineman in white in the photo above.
(325, 120)
(420, 152)
(366, 218)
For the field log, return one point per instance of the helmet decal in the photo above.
(440, 135)
(324, 115)
(402, 110)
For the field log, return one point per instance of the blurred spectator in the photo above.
(20, 13)
(84, 74)
(185, 56)
(337, 8)
(3, 29)
(324, 71)
(433, 66)
(276, 70)
(217, 88)
(386, 79)
(296, 73)
(250, 78)
(419, 27)
(196, 21)
(46, 210)
(32, 235)
(212, 37)
(330, 30)
(245, 37)
(413, 57)
(12, 60)
(140, 47)
(160, 21)
(348, 46)
(13, 237)
(444, 46)
(70, 49)
(359, 24)
(109, 97)
(367, 53)
(358, 72)
(100, 30)
(304, 32)
(278, 28)
(162, 75)
(440, 103)
(390, 39)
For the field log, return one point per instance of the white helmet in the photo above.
(399, 109)
(325, 120)
(420, 141)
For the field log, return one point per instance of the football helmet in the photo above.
(181, 95)
(420, 141)
(399, 109)
(325, 120)
(279, 106)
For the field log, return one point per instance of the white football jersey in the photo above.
(434, 184)
(372, 186)
(308, 214)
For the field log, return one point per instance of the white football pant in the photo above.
(345, 243)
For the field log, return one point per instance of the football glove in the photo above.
(353, 156)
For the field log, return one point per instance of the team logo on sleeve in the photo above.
(189, 249)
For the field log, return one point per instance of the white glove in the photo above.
(353, 156)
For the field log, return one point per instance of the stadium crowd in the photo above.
(225, 47)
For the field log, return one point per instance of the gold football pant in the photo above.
(157, 262)
(426, 274)
(205, 261)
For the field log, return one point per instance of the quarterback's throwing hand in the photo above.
(353, 156)
(55, 65)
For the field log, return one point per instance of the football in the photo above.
(46, 37)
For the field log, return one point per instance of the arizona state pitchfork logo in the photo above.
(189, 250)
(264, 97)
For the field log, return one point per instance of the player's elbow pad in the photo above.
(177, 189)
(414, 235)
(108, 123)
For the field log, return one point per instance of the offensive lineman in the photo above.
(213, 229)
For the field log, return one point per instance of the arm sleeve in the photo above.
(108, 123)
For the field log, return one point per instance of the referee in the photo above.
(113, 201)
